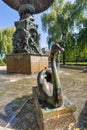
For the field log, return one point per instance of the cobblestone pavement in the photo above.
(15, 89)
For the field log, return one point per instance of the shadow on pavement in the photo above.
(11, 109)
(20, 114)
(82, 119)
(3, 72)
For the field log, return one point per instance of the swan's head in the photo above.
(55, 48)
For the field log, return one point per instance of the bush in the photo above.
(2, 62)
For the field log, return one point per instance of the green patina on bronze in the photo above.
(26, 37)
(49, 87)
(47, 114)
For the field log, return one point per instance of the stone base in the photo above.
(26, 63)
(54, 118)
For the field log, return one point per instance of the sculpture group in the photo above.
(49, 87)
(26, 37)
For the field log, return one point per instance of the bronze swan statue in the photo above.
(49, 87)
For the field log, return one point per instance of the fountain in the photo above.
(26, 46)
(26, 37)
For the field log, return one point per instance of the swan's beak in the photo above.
(59, 48)
(55, 48)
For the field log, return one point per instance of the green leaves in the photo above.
(61, 22)
(6, 40)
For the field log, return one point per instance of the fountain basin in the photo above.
(39, 5)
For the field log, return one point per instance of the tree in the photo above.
(81, 23)
(57, 23)
(6, 41)
(61, 21)
(82, 40)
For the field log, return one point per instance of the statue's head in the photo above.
(55, 48)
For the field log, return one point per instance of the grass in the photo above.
(77, 63)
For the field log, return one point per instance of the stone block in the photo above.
(26, 63)
(54, 118)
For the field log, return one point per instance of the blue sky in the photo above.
(8, 16)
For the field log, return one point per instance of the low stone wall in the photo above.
(73, 67)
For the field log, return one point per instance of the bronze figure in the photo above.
(49, 87)
(26, 37)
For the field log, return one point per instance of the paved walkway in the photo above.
(16, 88)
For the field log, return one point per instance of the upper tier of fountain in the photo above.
(39, 5)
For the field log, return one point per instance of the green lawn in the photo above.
(77, 63)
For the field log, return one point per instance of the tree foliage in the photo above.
(6, 40)
(60, 23)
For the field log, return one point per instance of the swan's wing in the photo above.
(48, 88)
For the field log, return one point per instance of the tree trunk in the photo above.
(64, 58)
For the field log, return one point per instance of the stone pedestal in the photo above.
(54, 118)
(26, 63)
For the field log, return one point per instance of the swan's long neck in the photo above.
(56, 81)
(57, 92)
